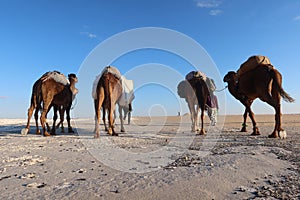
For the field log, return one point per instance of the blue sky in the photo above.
(39, 36)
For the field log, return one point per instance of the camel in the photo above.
(195, 92)
(263, 82)
(107, 89)
(50, 92)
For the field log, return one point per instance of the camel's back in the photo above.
(252, 63)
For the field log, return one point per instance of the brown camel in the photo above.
(107, 90)
(195, 92)
(37, 99)
(263, 82)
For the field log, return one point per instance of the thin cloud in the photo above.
(213, 5)
(89, 35)
(208, 3)
(297, 18)
(215, 12)
(3, 97)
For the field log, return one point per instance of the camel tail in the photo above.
(107, 91)
(35, 95)
(286, 97)
(278, 81)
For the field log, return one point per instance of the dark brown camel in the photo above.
(51, 93)
(263, 82)
(108, 91)
(195, 92)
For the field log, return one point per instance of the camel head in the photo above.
(72, 78)
(230, 77)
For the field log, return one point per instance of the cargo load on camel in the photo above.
(252, 63)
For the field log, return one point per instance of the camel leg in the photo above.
(129, 113)
(244, 125)
(129, 117)
(111, 130)
(36, 116)
(62, 118)
(53, 130)
(277, 106)
(98, 104)
(202, 131)
(29, 115)
(70, 129)
(121, 119)
(192, 111)
(196, 119)
(255, 128)
(277, 127)
(97, 118)
(104, 119)
(43, 117)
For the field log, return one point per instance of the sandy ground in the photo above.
(156, 158)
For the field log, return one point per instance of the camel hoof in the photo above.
(255, 133)
(96, 136)
(53, 132)
(38, 132)
(244, 129)
(70, 130)
(202, 132)
(273, 135)
(24, 131)
(46, 134)
(115, 134)
(282, 134)
(123, 130)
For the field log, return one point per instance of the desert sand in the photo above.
(156, 158)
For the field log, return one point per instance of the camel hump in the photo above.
(195, 74)
(127, 92)
(252, 63)
(56, 76)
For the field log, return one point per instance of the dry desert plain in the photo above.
(157, 158)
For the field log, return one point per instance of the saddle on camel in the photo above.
(257, 78)
(51, 89)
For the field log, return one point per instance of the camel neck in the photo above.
(72, 85)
